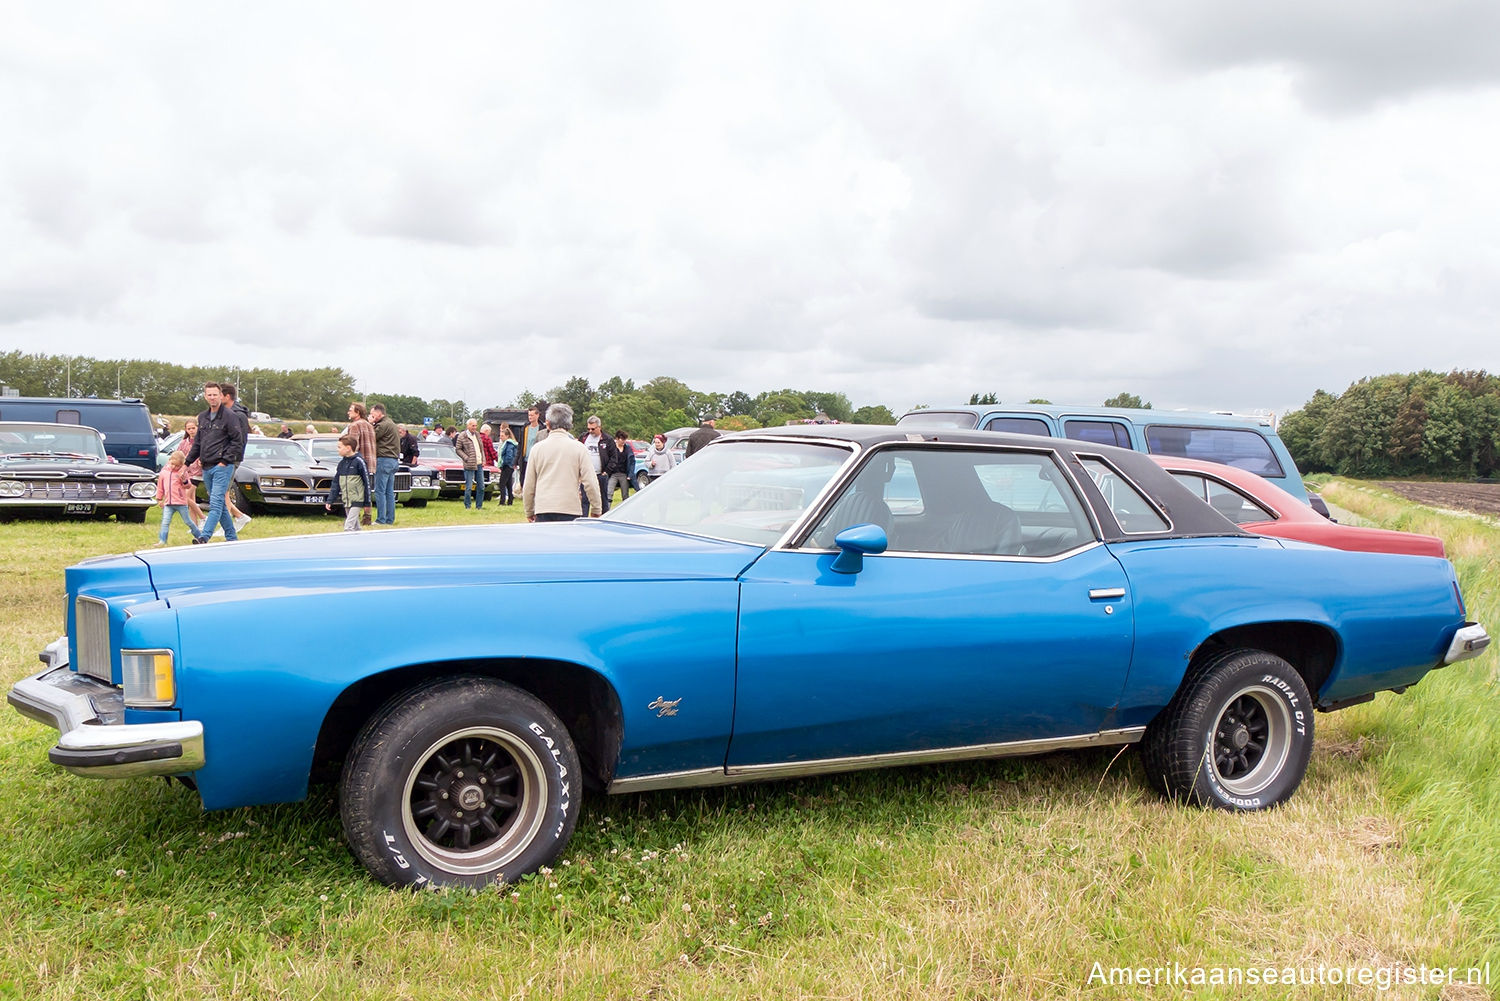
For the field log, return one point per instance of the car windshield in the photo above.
(437, 450)
(324, 450)
(16, 440)
(744, 491)
(278, 450)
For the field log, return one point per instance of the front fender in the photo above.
(262, 693)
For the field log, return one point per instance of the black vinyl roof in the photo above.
(1189, 515)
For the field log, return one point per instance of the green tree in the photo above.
(673, 393)
(739, 403)
(977, 399)
(1127, 400)
(835, 405)
(1299, 431)
(874, 414)
(576, 393)
(402, 409)
(775, 409)
(1044, 403)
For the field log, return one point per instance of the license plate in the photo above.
(78, 507)
(313, 499)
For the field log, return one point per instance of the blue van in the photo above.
(1245, 442)
(125, 424)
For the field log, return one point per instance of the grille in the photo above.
(453, 475)
(75, 490)
(91, 624)
(325, 483)
(403, 482)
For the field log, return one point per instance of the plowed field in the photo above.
(1480, 498)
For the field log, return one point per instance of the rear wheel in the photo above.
(463, 782)
(641, 479)
(1237, 735)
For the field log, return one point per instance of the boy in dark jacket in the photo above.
(351, 484)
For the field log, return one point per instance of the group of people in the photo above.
(561, 477)
(572, 477)
(213, 444)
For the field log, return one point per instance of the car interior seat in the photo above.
(992, 530)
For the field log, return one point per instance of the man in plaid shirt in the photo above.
(363, 433)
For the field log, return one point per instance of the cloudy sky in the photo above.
(1216, 206)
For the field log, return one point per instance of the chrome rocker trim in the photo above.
(1470, 641)
(93, 742)
(796, 769)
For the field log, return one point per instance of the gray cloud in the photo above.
(1343, 56)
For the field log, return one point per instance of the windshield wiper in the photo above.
(49, 455)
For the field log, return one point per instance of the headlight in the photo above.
(145, 488)
(148, 678)
(15, 488)
(273, 481)
(423, 481)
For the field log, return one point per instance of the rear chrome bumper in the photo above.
(1469, 641)
(94, 739)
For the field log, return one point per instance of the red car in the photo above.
(441, 455)
(1265, 509)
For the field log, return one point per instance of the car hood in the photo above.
(72, 466)
(281, 466)
(446, 557)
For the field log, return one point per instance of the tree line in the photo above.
(1416, 424)
(324, 394)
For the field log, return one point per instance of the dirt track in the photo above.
(1481, 498)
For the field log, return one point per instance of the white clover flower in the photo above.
(624, 898)
(119, 872)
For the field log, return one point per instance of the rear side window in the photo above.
(1134, 514)
(1229, 502)
(1019, 425)
(1243, 449)
(69, 417)
(1098, 432)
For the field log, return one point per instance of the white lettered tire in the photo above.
(1237, 736)
(461, 782)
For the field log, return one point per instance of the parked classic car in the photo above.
(53, 470)
(1260, 506)
(441, 456)
(415, 485)
(276, 472)
(842, 598)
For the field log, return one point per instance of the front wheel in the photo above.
(641, 479)
(1237, 735)
(463, 782)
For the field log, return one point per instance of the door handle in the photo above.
(1105, 593)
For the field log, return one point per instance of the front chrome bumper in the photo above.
(1469, 641)
(89, 715)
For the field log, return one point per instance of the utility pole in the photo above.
(68, 361)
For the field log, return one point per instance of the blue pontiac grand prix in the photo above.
(789, 602)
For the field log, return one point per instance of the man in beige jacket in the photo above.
(558, 465)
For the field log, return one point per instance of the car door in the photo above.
(993, 617)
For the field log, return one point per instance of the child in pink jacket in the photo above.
(173, 488)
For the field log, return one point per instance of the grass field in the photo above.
(978, 880)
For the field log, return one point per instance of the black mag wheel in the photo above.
(474, 799)
(1237, 735)
(461, 782)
